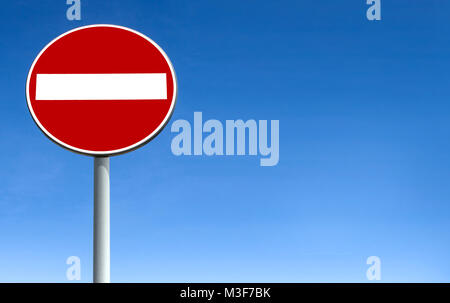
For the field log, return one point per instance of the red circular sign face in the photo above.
(101, 90)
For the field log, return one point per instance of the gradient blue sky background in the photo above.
(364, 165)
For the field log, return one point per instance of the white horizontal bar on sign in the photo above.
(101, 86)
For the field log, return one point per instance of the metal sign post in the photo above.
(101, 220)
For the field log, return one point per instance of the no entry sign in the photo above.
(101, 90)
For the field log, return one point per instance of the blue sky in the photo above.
(364, 147)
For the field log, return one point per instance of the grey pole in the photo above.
(101, 220)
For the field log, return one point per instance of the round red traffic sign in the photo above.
(101, 90)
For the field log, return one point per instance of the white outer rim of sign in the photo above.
(107, 152)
